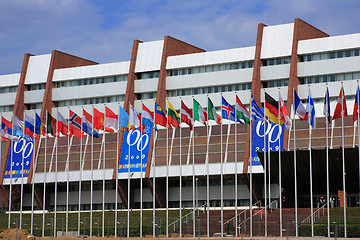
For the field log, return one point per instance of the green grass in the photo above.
(337, 215)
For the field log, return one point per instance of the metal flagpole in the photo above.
(207, 185)
(327, 159)
(180, 178)
(193, 180)
(236, 176)
(153, 184)
(280, 198)
(358, 125)
(310, 168)
(44, 193)
(167, 172)
(265, 192)
(251, 159)
(56, 171)
(103, 191)
(92, 171)
(295, 174)
(80, 176)
(343, 156)
(141, 180)
(117, 172)
(221, 178)
(67, 175)
(128, 190)
(11, 170)
(33, 176)
(22, 174)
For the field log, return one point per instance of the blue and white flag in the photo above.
(256, 112)
(310, 110)
(326, 110)
(18, 126)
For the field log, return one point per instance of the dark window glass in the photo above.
(243, 86)
(356, 52)
(308, 58)
(243, 65)
(229, 88)
(157, 74)
(271, 84)
(265, 62)
(196, 91)
(91, 101)
(209, 89)
(102, 80)
(324, 78)
(151, 75)
(316, 79)
(271, 62)
(176, 72)
(189, 71)
(90, 81)
(332, 55)
(222, 88)
(309, 80)
(108, 99)
(85, 82)
(250, 64)
(96, 100)
(348, 53)
(339, 55)
(216, 89)
(278, 61)
(237, 87)
(114, 79)
(183, 72)
(332, 78)
(182, 92)
(62, 84)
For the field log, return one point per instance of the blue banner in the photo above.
(21, 152)
(272, 138)
(139, 147)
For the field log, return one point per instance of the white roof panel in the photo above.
(209, 58)
(149, 56)
(9, 80)
(38, 69)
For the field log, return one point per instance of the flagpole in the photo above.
(295, 172)
(117, 172)
(251, 159)
(280, 197)
(236, 174)
(44, 190)
(221, 178)
(327, 160)
(310, 165)
(207, 184)
(167, 170)
(180, 178)
(141, 179)
(22, 174)
(358, 123)
(153, 184)
(265, 166)
(103, 191)
(128, 190)
(67, 176)
(343, 155)
(193, 179)
(33, 175)
(80, 169)
(56, 171)
(11, 169)
(92, 171)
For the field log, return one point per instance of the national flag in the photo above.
(51, 125)
(255, 110)
(199, 112)
(160, 117)
(17, 126)
(227, 111)
(87, 125)
(75, 125)
(326, 109)
(6, 130)
(310, 110)
(147, 117)
(39, 126)
(134, 121)
(123, 118)
(212, 114)
(299, 108)
(271, 109)
(242, 114)
(186, 115)
(341, 105)
(173, 116)
(110, 120)
(63, 124)
(284, 113)
(356, 105)
(98, 120)
(29, 126)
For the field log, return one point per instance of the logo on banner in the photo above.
(20, 155)
(273, 134)
(139, 149)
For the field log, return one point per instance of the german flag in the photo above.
(272, 109)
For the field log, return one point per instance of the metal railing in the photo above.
(197, 209)
(317, 214)
(258, 203)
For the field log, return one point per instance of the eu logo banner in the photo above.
(22, 152)
(273, 134)
(139, 147)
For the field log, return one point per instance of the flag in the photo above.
(356, 105)
(17, 126)
(173, 116)
(63, 125)
(199, 113)
(98, 120)
(51, 125)
(227, 111)
(284, 113)
(147, 117)
(242, 114)
(6, 130)
(212, 114)
(326, 109)
(75, 125)
(299, 108)
(186, 115)
(29, 126)
(123, 118)
(310, 110)
(255, 110)
(39, 126)
(271, 109)
(134, 121)
(341, 105)
(110, 120)
(87, 125)
(160, 117)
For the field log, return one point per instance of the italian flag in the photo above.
(199, 113)
(242, 114)
(173, 116)
(212, 115)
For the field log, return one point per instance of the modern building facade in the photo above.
(285, 57)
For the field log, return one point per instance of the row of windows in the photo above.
(330, 78)
(7, 108)
(85, 101)
(329, 55)
(276, 83)
(8, 89)
(207, 90)
(147, 75)
(91, 81)
(144, 96)
(34, 87)
(211, 68)
(275, 61)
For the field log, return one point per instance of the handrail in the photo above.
(239, 214)
(308, 218)
(185, 216)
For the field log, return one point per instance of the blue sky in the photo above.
(104, 30)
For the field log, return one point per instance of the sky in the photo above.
(103, 30)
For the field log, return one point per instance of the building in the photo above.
(295, 55)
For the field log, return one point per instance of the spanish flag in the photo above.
(272, 109)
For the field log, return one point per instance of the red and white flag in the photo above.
(63, 124)
(186, 115)
(341, 105)
(284, 115)
(111, 120)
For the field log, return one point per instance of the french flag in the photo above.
(356, 105)
(87, 125)
(299, 108)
